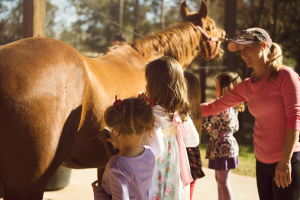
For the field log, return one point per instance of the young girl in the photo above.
(167, 87)
(194, 92)
(128, 174)
(222, 148)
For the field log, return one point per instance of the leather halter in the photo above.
(211, 39)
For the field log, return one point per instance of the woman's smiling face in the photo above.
(251, 54)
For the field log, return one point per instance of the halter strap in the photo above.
(185, 173)
(210, 39)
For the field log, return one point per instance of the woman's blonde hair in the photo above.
(228, 80)
(274, 55)
(167, 86)
(135, 117)
(194, 94)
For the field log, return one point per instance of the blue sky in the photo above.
(68, 15)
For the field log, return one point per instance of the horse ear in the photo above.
(203, 12)
(184, 10)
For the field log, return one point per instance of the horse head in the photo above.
(211, 36)
(194, 38)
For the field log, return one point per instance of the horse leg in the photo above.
(110, 150)
(29, 186)
(27, 182)
(31, 161)
(100, 173)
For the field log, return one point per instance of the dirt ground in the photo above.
(79, 188)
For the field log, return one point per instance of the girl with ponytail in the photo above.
(128, 174)
(273, 97)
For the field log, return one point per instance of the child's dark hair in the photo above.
(135, 117)
(167, 86)
(194, 93)
(228, 80)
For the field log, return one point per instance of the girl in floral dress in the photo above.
(222, 148)
(167, 87)
(194, 93)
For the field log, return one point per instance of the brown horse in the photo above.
(52, 99)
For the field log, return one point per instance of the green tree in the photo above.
(11, 27)
(50, 15)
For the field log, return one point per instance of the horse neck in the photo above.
(179, 41)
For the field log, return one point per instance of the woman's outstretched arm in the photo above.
(233, 98)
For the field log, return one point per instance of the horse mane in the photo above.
(178, 41)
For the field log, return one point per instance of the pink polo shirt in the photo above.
(275, 106)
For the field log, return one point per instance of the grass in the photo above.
(246, 166)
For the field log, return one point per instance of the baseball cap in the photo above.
(248, 36)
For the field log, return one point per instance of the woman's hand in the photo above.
(283, 173)
(208, 129)
(283, 169)
(95, 186)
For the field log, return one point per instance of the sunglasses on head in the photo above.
(246, 35)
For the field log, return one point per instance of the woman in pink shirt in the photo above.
(273, 97)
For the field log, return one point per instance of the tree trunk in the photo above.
(260, 10)
(121, 14)
(77, 27)
(252, 13)
(275, 5)
(34, 18)
(162, 15)
(136, 18)
(230, 27)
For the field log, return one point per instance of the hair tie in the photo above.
(119, 103)
(151, 101)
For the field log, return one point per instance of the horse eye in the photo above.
(208, 28)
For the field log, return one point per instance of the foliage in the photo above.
(11, 26)
(280, 19)
(50, 15)
(91, 32)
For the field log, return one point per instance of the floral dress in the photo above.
(222, 145)
(166, 183)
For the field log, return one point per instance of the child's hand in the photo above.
(208, 128)
(115, 143)
(95, 186)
